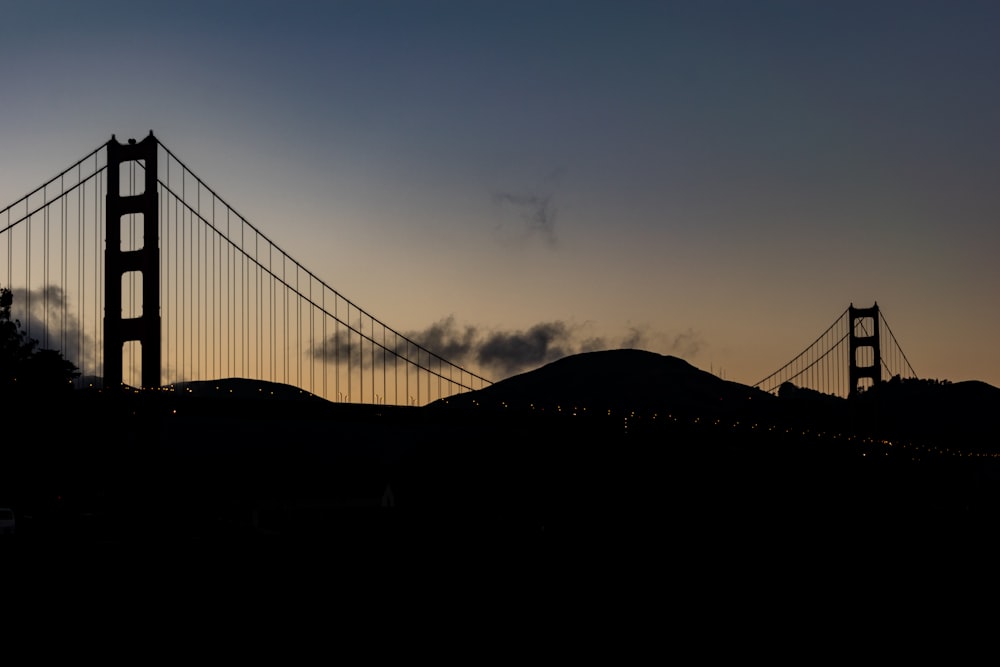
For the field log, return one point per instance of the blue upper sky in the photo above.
(713, 180)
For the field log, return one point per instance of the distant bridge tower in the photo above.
(865, 344)
(144, 260)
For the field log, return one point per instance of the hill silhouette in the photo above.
(625, 379)
(927, 411)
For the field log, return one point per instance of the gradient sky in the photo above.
(713, 180)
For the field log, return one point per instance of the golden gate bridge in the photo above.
(855, 353)
(145, 278)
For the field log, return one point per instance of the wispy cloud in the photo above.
(528, 214)
(685, 344)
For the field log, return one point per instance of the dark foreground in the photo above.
(211, 501)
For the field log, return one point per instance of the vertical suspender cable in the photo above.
(216, 266)
(163, 235)
(284, 292)
(312, 340)
(98, 191)
(260, 301)
(298, 327)
(81, 206)
(27, 273)
(185, 280)
(178, 289)
(62, 264)
(336, 346)
(230, 299)
(350, 355)
(196, 228)
(373, 360)
(323, 319)
(8, 236)
(271, 311)
(45, 275)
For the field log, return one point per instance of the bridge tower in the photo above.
(144, 260)
(867, 340)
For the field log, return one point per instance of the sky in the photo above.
(712, 180)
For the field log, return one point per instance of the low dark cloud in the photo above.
(494, 353)
(508, 352)
(501, 353)
(449, 340)
(498, 353)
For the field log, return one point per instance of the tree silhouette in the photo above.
(24, 368)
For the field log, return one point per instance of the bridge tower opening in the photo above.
(866, 353)
(142, 258)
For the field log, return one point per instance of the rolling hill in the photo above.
(614, 379)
